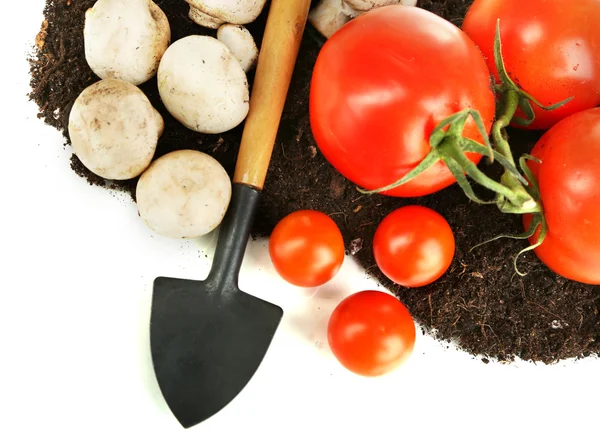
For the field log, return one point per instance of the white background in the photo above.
(75, 367)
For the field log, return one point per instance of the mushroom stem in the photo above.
(241, 43)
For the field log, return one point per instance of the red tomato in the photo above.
(569, 179)
(382, 83)
(371, 333)
(307, 248)
(550, 48)
(414, 246)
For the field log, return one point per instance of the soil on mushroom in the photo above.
(479, 303)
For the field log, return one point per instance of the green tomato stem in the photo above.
(511, 104)
(516, 195)
(449, 146)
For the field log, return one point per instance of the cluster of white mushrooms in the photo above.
(202, 82)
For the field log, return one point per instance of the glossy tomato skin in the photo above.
(569, 178)
(414, 246)
(307, 248)
(371, 333)
(550, 48)
(380, 86)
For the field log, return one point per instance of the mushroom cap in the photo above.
(203, 85)
(114, 129)
(183, 194)
(204, 19)
(238, 12)
(330, 15)
(357, 7)
(125, 39)
(241, 43)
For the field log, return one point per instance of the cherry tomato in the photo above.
(382, 83)
(371, 333)
(307, 248)
(569, 180)
(414, 246)
(550, 49)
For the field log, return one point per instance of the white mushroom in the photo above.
(214, 13)
(241, 43)
(203, 85)
(330, 15)
(114, 129)
(125, 39)
(184, 194)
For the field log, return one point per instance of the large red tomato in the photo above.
(550, 48)
(382, 83)
(569, 180)
(371, 333)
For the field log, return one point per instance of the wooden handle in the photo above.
(276, 61)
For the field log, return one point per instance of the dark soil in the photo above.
(480, 303)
